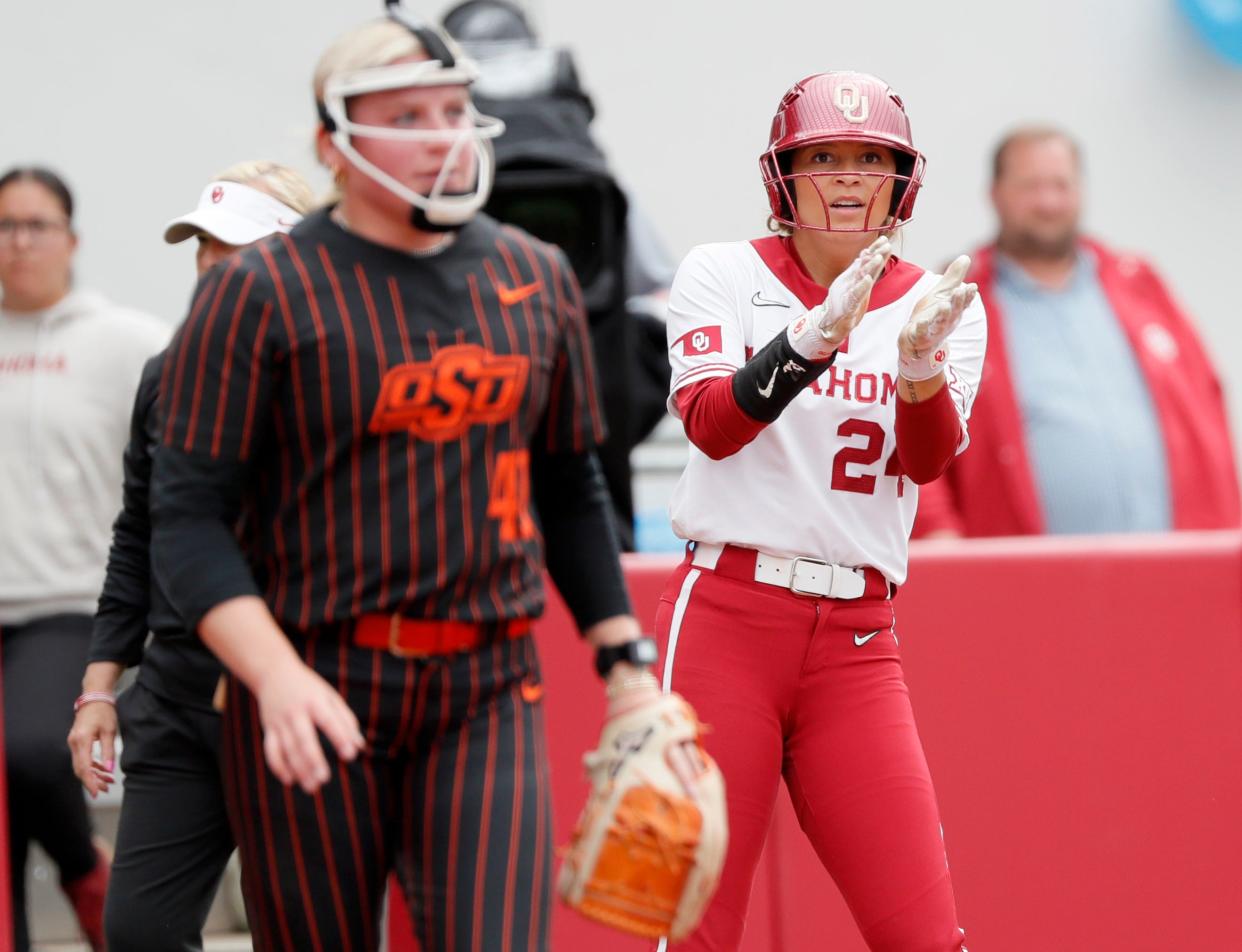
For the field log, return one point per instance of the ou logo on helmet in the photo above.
(853, 104)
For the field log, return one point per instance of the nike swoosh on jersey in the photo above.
(766, 392)
(861, 640)
(510, 296)
(758, 301)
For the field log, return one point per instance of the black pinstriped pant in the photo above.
(453, 794)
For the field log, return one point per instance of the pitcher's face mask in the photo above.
(441, 206)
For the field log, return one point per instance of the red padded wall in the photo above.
(1080, 701)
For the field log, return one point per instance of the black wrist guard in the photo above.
(773, 377)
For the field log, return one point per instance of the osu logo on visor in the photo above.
(442, 398)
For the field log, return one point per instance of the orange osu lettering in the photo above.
(441, 398)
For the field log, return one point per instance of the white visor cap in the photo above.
(234, 214)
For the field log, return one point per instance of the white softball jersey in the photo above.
(823, 481)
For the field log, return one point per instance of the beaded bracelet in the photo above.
(106, 696)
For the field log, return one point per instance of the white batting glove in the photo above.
(822, 329)
(921, 347)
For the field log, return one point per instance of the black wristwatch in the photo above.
(641, 652)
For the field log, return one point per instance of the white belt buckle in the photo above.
(821, 585)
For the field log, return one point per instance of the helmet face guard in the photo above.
(841, 107)
(781, 187)
(439, 208)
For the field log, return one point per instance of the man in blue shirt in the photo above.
(1098, 410)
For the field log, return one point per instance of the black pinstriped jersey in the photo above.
(379, 410)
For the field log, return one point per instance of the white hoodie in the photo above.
(67, 380)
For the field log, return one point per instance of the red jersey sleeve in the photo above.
(928, 434)
(712, 418)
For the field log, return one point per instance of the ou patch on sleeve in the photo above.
(701, 340)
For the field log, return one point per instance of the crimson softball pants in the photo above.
(453, 794)
(811, 690)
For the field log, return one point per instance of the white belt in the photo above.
(801, 575)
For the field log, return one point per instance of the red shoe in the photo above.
(86, 895)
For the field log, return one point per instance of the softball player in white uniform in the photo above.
(820, 380)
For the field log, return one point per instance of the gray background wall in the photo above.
(139, 102)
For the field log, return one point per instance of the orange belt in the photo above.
(421, 637)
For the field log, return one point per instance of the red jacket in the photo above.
(990, 489)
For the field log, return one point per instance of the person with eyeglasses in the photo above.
(69, 366)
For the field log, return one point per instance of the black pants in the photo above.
(173, 840)
(42, 664)
(452, 793)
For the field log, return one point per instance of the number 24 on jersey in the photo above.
(865, 455)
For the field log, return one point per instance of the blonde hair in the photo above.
(274, 179)
(779, 228)
(377, 43)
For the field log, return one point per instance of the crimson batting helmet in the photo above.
(841, 106)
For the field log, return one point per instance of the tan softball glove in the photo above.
(646, 855)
